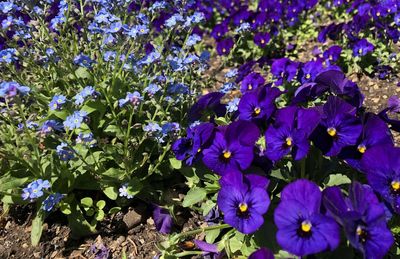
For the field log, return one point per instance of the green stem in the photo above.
(198, 231)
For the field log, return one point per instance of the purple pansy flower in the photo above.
(261, 39)
(262, 253)
(232, 147)
(258, 105)
(251, 82)
(338, 128)
(362, 48)
(191, 148)
(283, 69)
(290, 132)
(224, 46)
(375, 132)
(363, 218)
(332, 54)
(302, 229)
(162, 219)
(244, 200)
(207, 105)
(309, 71)
(382, 166)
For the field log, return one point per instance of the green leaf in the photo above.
(78, 224)
(211, 235)
(235, 244)
(114, 173)
(100, 215)
(65, 208)
(8, 182)
(175, 163)
(87, 202)
(194, 196)
(114, 210)
(336, 179)
(101, 204)
(83, 72)
(134, 186)
(220, 121)
(111, 192)
(37, 228)
(94, 106)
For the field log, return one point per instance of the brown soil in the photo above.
(138, 242)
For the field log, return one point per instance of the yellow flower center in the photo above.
(289, 141)
(378, 14)
(360, 51)
(243, 207)
(331, 131)
(359, 231)
(262, 41)
(227, 154)
(330, 57)
(257, 110)
(395, 185)
(250, 87)
(362, 149)
(308, 76)
(306, 226)
(199, 150)
(224, 50)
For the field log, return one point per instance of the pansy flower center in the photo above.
(243, 210)
(360, 51)
(262, 41)
(199, 150)
(305, 229)
(362, 234)
(308, 76)
(331, 131)
(226, 154)
(289, 141)
(395, 186)
(243, 207)
(257, 111)
(250, 87)
(223, 50)
(362, 148)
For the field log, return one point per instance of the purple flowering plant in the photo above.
(250, 115)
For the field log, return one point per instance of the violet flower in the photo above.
(244, 200)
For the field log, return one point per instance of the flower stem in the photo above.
(198, 231)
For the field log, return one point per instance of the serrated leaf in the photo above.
(194, 196)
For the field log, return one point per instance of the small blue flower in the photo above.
(232, 106)
(193, 40)
(227, 87)
(81, 96)
(83, 61)
(35, 189)
(243, 27)
(50, 126)
(51, 201)
(152, 89)
(7, 22)
(8, 55)
(134, 98)
(57, 102)
(11, 89)
(109, 55)
(75, 120)
(152, 128)
(190, 59)
(231, 73)
(86, 139)
(115, 27)
(64, 152)
(142, 29)
(123, 191)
